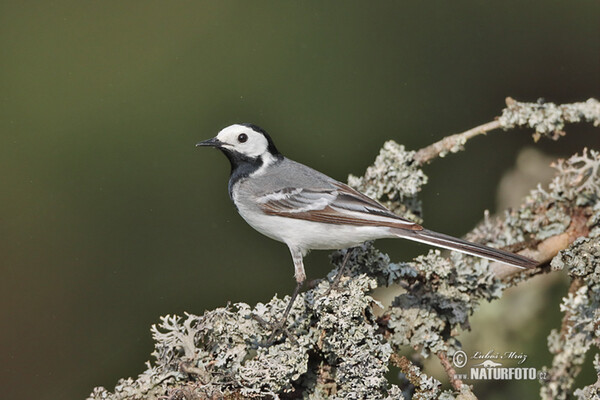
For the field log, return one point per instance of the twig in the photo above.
(453, 143)
(412, 373)
(566, 321)
(547, 119)
(456, 383)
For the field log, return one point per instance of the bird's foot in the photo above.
(278, 330)
(338, 277)
(334, 285)
(279, 326)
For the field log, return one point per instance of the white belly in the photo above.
(308, 235)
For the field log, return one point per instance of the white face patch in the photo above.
(253, 145)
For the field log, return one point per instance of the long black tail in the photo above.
(463, 246)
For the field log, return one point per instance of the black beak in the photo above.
(214, 142)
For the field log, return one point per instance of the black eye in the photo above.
(242, 137)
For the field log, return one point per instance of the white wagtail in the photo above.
(307, 210)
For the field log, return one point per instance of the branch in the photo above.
(419, 385)
(450, 371)
(453, 143)
(544, 251)
(547, 119)
(342, 350)
(580, 328)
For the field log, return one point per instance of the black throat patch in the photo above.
(241, 166)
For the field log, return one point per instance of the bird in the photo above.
(307, 210)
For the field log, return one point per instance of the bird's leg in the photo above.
(279, 326)
(300, 276)
(338, 276)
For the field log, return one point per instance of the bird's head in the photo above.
(244, 143)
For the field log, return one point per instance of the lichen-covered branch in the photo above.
(394, 179)
(338, 347)
(547, 119)
(581, 322)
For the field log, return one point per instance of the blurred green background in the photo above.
(110, 217)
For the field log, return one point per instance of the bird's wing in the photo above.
(336, 204)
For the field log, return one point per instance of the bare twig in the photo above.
(453, 143)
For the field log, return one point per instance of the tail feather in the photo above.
(463, 246)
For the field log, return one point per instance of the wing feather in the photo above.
(338, 204)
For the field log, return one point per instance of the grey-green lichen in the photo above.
(439, 297)
(415, 384)
(335, 347)
(579, 181)
(334, 350)
(548, 212)
(394, 179)
(581, 322)
(549, 119)
(349, 340)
